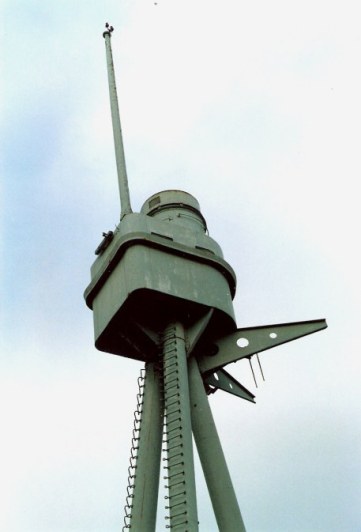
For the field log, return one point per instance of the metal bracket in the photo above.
(224, 381)
(249, 341)
(194, 332)
(108, 237)
(154, 337)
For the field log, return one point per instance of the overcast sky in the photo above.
(254, 108)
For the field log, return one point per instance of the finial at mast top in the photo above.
(108, 30)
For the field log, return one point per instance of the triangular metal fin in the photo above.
(196, 330)
(224, 381)
(249, 341)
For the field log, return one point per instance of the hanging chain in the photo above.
(134, 451)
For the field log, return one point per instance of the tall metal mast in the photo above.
(117, 130)
(161, 293)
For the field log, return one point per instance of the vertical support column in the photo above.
(146, 484)
(211, 455)
(178, 431)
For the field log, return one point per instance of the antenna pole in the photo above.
(117, 130)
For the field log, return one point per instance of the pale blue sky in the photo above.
(254, 108)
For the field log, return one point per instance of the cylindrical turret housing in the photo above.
(175, 206)
(161, 263)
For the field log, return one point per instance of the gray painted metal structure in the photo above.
(161, 293)
(117, 130)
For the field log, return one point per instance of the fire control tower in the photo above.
(162, 293)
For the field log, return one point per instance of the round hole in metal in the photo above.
(242, 342)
